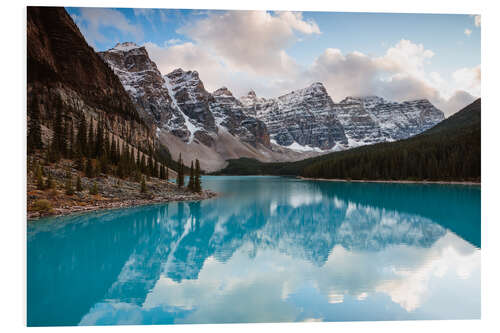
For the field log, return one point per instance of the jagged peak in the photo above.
(251, 93)
(364, 99)
(125, 46)
(223, 92)
(317, 84)
(180, 72)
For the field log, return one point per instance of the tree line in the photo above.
(94, 150)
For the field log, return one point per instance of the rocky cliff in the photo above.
(373, 119)
(304, 117)
(308, 119)
(178, 102)
(64, 72)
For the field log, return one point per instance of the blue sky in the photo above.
(273, 52)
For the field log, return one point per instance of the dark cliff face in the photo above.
(228, 111)
(64, 71)
(304, 116)
(192, 98)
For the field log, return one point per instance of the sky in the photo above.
(395, 56)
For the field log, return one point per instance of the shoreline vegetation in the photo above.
(60, 189)
(438, 182)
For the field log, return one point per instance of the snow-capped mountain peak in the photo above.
(125, 47)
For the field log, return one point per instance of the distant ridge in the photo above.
(450, 151)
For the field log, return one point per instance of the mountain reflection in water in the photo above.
(269, 249)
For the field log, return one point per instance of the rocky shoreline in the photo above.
(117, 204)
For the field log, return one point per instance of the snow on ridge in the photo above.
(126, 46)
(190, 126)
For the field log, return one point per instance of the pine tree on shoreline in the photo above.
(191, 178)
(180, 172)
(197, 177)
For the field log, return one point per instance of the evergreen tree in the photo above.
(79, 187)
(166, 173)
(138, 160)
(94, 189)
(106, 149)
(155, 169)
(90, 139)
(191, 178)
(89, 170)
(71, 141)
(143, 185)
(103, 161)
(39, 180)
(150, 165)
(82, 136)
(58, 135)
(64, 139)
(180, 172)
(114, 154)
(50, 182)
(197, 177)
(97, 168)
(99, 140)
(69, 186)
(79, 163)
(143, 163)
(48, 157)
(34, 140)
(162, 172)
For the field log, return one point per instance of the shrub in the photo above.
(42, 205)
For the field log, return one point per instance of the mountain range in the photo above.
(144, 109)
(218, 126)
(449, 151)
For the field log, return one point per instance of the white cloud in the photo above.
(246, 50)
(173, 41)
(91, 20)
(468, 32)
(253, 41)
(295, 20)
(406, 57)
(468, 79)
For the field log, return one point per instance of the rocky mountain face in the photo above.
(65, 72)
(372, 119)
(178, 102)
(229, 112)
(143, 82)
(304, 117)
(308, 119)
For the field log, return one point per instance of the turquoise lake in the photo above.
(268, 249)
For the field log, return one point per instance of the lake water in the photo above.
(269, 249)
